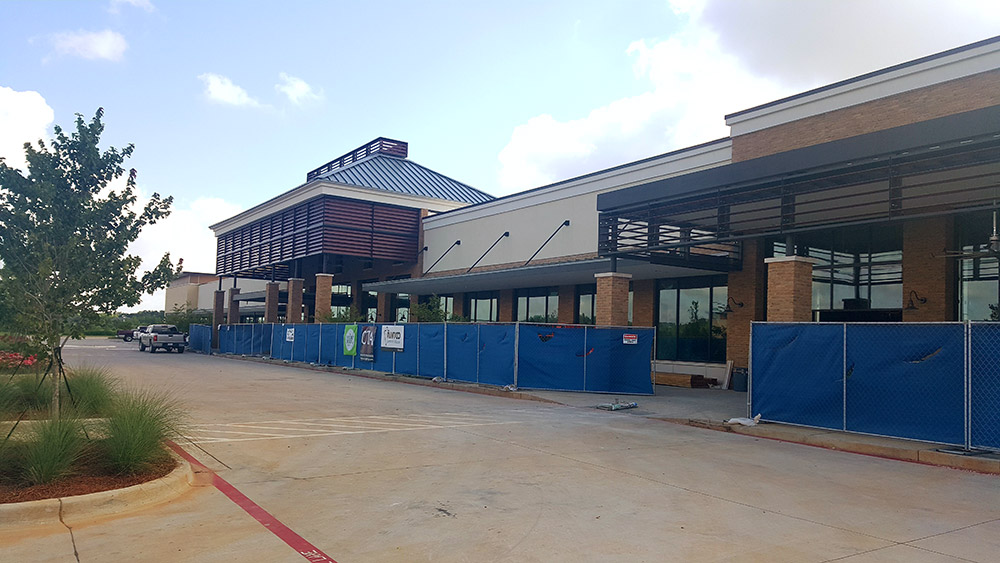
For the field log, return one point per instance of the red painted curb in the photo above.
(283, 532)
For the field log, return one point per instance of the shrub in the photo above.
(52, 449)
(34, 395)
(10, 398)
(138, 424)
(92, 389)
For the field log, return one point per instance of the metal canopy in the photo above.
(565, 273)
(942, 166)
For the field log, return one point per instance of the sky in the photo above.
(230, 103)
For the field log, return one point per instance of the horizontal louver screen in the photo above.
(323, 225)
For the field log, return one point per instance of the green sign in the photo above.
(351, 340)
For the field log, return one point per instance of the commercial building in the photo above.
(870, 199)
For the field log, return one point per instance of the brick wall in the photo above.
(926, 273)
(789, 289)
(218, 315)
(271, 298)
(567, 304)
(293, 309)
(506, 305)
(324, 295)
(234, 306)
(644, 302)
(746, 286)
(947, 98)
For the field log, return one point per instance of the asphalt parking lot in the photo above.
(369, 470)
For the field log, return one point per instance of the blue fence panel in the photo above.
(431, 342)
(907, 381)
(985, 385)
(383, 358)
(312, 346)
(264, 336)
(243, 339)
(287, 347)
(329, 347)
(342, 359)
(463, 343)
(200, 338)
(225, 339)
(798, 373)
(550, 358)
(406, 361)
(496, 354)
(299, 342)
(614, 366)
(358, 363)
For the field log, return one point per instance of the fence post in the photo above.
(319, 354)
(968, 386)
(585, 358)
(517, 344)
(446, 351)
(749, 373)
(843, 417)
(479, 347)
(418, 349)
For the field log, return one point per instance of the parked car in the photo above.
(157, 337)
(130, 334)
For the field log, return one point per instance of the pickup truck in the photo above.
(130, 334)
(166, 337)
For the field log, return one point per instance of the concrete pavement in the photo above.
(370, 470)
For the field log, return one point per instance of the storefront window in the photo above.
(586, 303)
(482, 306)
(691, 319)
(538, 305)
(340, 300)
(979, 286)
(401, 305)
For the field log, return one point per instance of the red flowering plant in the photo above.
(17, 352)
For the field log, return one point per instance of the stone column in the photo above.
(930, 277)
(384, 314)
(747, 286)
(271, 298)
(293, 310)
(789, 289)
(234, 306)
(612, 298)
(324, 293)
(218, 316)
(458, 308)
(566, 314)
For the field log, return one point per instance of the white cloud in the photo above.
(146, 5)
(24, 117)
(184, 234)
(107, 44)
(296, 89)
(729, 56)
(221, 89)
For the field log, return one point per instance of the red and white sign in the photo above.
(630, 339)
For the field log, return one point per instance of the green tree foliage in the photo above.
(430, 311)
(183, 317)
(64, 236)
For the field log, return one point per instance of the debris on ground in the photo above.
(745, 421)
(438, 379)
(510, 387)
(616, 406)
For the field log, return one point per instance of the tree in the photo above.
(64, 236)
(183, 317)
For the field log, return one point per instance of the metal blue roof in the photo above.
(393, 174)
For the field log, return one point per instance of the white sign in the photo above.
(392, 338)
(630, 339)
(289, 335)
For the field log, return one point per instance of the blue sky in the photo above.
(231, 103)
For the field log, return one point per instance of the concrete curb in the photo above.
(876, 446)
(101, 504)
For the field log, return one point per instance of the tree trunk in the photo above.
(57, 355)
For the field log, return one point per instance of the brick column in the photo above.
(931, 277)
(747, 286)
(567, 305)
(506, 305)
(218, 316)
(789, 289)
(459, 305)
(324, 294)
(357, 299)
(234, 306)
(612, 298)
(293, 309)
(271, 299)
(644, 303)
(384, 314)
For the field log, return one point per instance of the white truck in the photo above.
(166, 337)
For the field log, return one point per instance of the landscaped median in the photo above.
(105, 449)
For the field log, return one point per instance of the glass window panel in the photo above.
(552, 309)
(666, 325)
(693, 324)
(820, 294)
(720, 296)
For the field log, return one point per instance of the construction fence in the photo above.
(526, 356)
(935, 382)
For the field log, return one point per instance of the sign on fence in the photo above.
(351, 340)
(289, 335)
(392, 338)
(368, 343)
